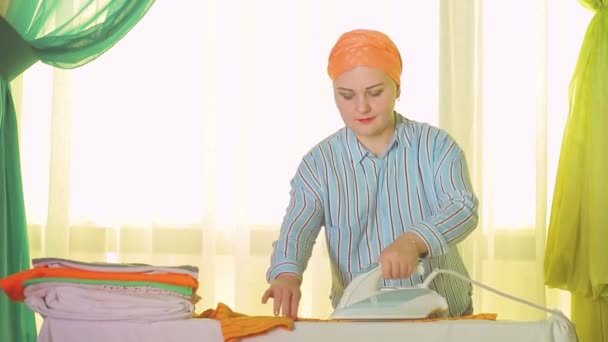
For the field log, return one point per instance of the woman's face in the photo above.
(366, 97)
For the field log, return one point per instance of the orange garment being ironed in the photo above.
(236, 325)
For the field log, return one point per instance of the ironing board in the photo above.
(551, 329)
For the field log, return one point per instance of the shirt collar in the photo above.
(358, 152)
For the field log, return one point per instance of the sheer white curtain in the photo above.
(505, 71)
(177, 146)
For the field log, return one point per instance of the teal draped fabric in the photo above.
(65, 34)
(16, 320)
(68, 34)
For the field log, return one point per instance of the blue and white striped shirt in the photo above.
(421, 184)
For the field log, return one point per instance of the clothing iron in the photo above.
(364, 299)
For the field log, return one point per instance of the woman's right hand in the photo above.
(285, 290)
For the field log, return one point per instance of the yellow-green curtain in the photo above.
(576, 257)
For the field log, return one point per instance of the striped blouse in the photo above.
(421, 184)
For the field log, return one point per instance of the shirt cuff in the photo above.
(434, 241)
(283, 267)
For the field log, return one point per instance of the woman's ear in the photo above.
(398, 92)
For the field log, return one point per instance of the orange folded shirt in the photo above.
(13, 284)
(236, 325)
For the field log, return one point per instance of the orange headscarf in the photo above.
(365, 48)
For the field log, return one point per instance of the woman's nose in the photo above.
(363, 104)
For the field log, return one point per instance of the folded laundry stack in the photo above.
(69, 289)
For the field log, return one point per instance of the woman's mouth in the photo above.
(365, 121)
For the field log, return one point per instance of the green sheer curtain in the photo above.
(65, 34)
(576, 257)
(16, 320)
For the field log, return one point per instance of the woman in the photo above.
(387, 189)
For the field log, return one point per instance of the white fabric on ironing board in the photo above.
(75, 303)
(61, 330)
(552, 329)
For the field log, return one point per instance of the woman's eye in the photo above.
(376, 93)
(347, 96)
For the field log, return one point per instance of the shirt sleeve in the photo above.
(301, 224)
(458, 206)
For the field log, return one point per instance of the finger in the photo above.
(391, 270)
(286, 303)
(276, 308)
(414, 267)
(396, 269)
(410, 269)
(386, 269)
(267, 294)
(295, 300)
(403, 270)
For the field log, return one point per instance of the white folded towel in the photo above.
(71, 302)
